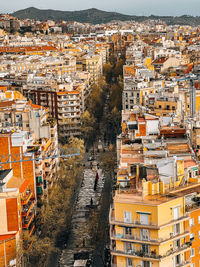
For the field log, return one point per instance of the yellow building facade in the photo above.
(149, 230)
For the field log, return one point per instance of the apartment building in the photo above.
(135, 90)
(153, 220)
(91, 63)
(65, 104)
(28, 132)
(149, 230)
(17, 222)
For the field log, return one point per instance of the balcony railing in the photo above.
(137, 254)
(27, 221)
(177, 250)
(38, 171)
(27, 209)
(184, 263)
(150, 224)
(38, 163)
(138, 239)
(39, 180)
(31, 230)
(25, 199)
(151, 255)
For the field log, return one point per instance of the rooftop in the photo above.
(130, 196)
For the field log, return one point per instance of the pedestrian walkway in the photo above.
(79, 239)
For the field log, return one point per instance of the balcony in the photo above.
(32, 230)
(141, 255)
(39, 190)
(28, 232)
(177, 250)
(27, 209)
(138, 224)
(38, 163)
(38, 171)
(151, 256)
(39, 180)
(138, 239)
(27, 221)
(134, 223)
(25, 199)
(48, 168)
(184, 264)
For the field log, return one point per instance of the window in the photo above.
(177, 243)
(127, 217)
(146, 264)
(191, 222)
(191, 237)
(192, 252)
(144, 234)
(143, 218)
(198, 219)
(199, 234)
(177, 259)
(176, 228)
(159, 106)
(128, 247)
(145, 248)
(192, 265)
(129, 262)
(127, 231)
(176, 213)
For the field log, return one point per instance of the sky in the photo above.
(130, 7)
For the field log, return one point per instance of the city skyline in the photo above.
(135, 7)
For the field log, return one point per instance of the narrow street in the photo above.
(89, 233)
(102, 240)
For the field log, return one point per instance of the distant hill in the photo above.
(96, 16)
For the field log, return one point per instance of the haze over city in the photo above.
(130, 7)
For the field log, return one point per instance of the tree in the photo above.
(108, 160)
(107, 70)
(35, 250)
(54, 217)
(118, 70)
(88, 127)
(75, 145)
(112, 60)
(115, 96)
(112, 125)
(95, 102)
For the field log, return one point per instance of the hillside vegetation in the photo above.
(96, 16)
